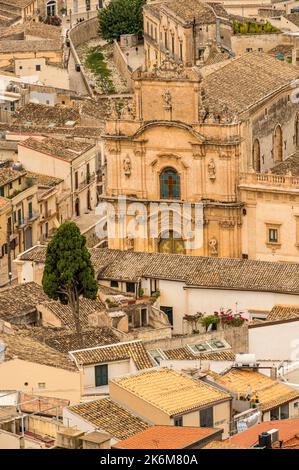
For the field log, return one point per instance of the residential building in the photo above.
(250, 389)
(185, 30)
(104, 416)
(12, 50)
(101, 364)
(34, 368)
(200, 284)
(280, 327)
(170, 437)
(20, 192)
(72, 161)
(165, 397)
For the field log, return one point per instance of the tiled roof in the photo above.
(270, 393)
(61, 148)
(289, 166)
(184, 353)
(285, 49)
(202, 12)
(287, 428)
(169, 391)
(44, 180)
(27, 349)
(65, 315)
(166, 437)
(227, 273)
(8, 175)
(4, 202)
(32, 28)
(47, 406)
(43, 115)
(10, 46)
(134, 350)
(278, 314)
(293, 17)
(20, 299)
(110, 417)
(18, 3)
(255, 74)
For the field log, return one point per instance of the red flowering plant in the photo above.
(227, 317)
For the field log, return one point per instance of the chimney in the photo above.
(273, 373)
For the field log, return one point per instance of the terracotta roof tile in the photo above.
(166, 437)
(20, 299)
(62, 148)
(185, 354)
(170, 391)
(134, 350)
(270, 393)
(110, 417)
(229, 273)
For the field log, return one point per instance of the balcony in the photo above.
(24, 221)
(86, 182)
(268, 180)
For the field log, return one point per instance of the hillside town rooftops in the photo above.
(34, 29)
(290, 166)
(134, 350)
(169, 391)
(193, 10)
(184, 353)
(167, 437)
(270, 393)
(110, 417)
(44, 180)
(197, 271)
(61, 148)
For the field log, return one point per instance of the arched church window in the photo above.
(277, 147)
(171, 242)
(170, 184)
(256, 156)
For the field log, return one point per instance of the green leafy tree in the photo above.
(121, 17)
(68, 272)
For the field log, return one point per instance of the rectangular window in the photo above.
(2, 191)
(30, 213)
(274, 414)
(181, 51)
(206, 418)
(87, 5)
(130, 287)
(273, 235)
(165, 40)
(284, 411)
(114, 284)
(76, 180)
(101, 375)
(172, 44)
(178, 421)
(38, 68)
(41, 385)
(169, 313)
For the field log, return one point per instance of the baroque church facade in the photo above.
(202, 137)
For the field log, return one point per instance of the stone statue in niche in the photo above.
(167, 100)
(130, 242)
(127, 165)
(213, 245)
(113, 111)
(212, 169)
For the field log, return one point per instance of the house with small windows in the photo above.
(73, 161)
(100, 364)
(165, 397)
(19, 214)
(186, 286)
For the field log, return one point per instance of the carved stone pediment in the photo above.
(169, 68)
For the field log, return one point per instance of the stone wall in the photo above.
(79, 34)
(236, 337)
(121, 64)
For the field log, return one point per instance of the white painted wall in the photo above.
(215, 366)
(285, 337)
(115, 369)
